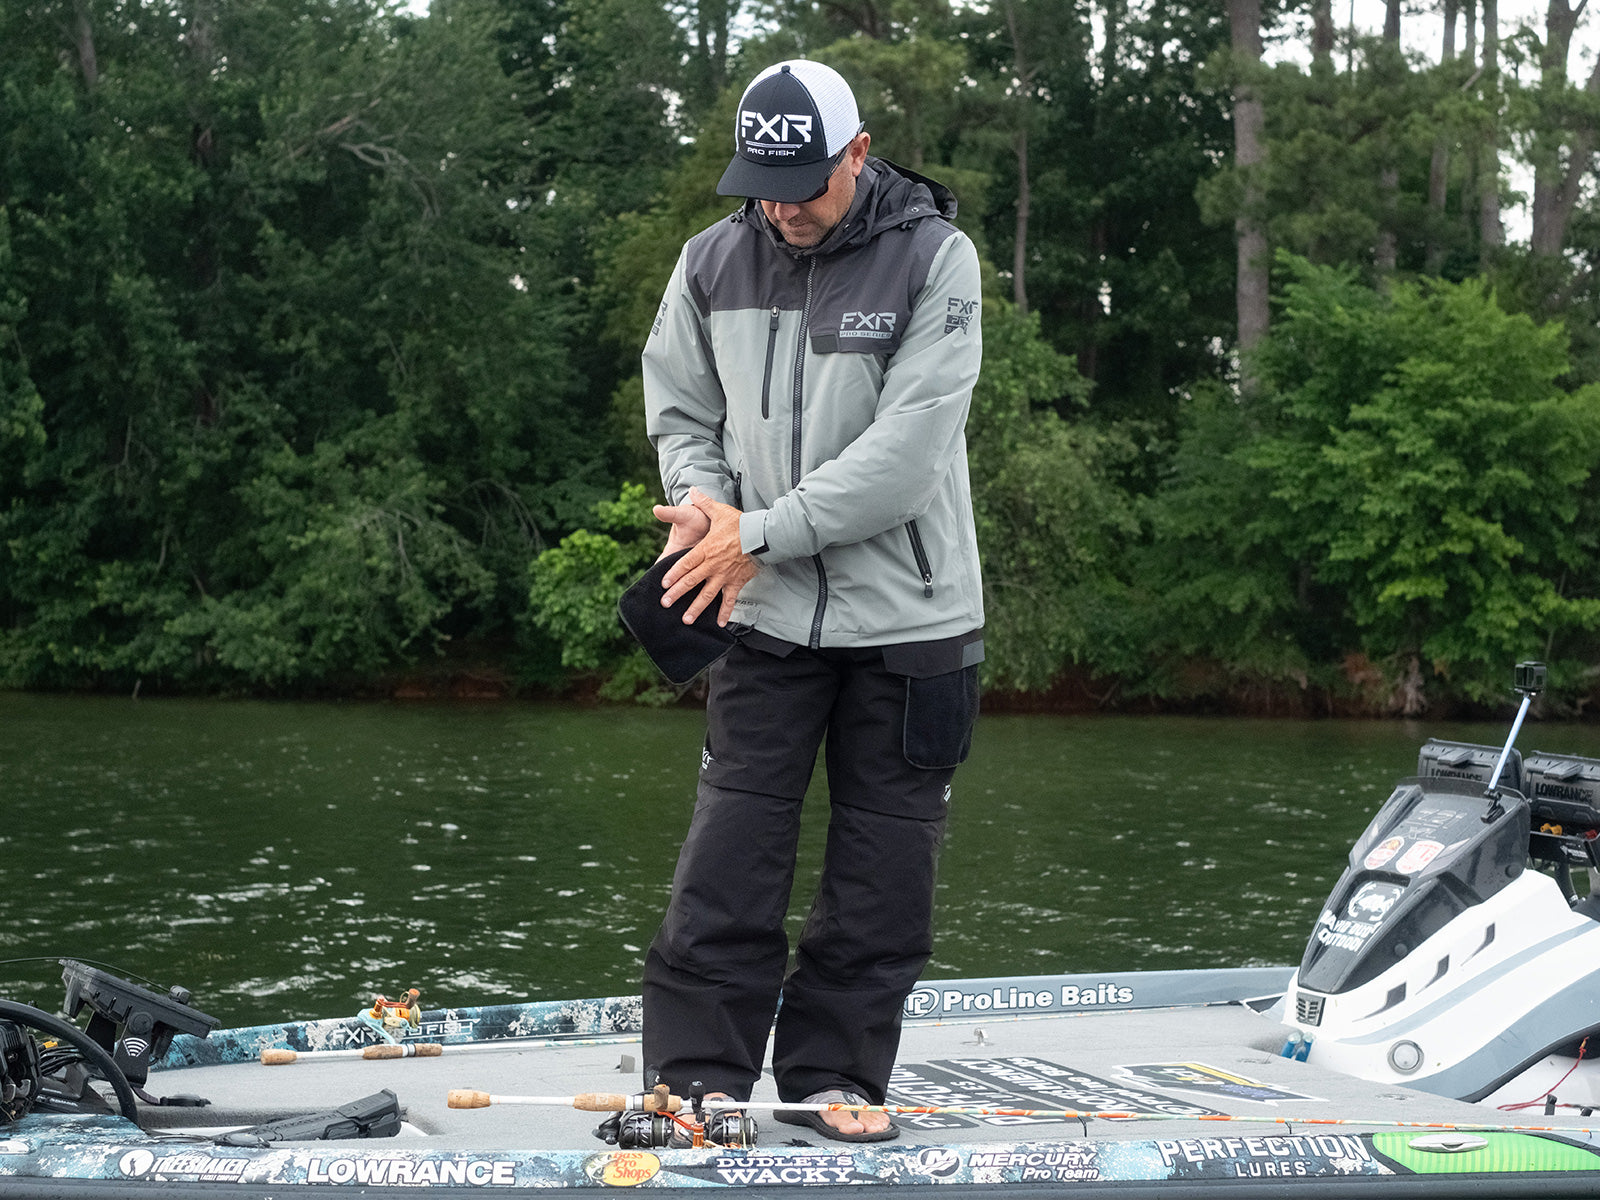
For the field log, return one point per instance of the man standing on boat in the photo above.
(807, 383)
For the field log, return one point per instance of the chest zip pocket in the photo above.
(766, 375)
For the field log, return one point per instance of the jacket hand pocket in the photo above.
(940, 713)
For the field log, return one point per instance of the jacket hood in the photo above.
(886, 195)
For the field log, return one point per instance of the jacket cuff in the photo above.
(753, 532)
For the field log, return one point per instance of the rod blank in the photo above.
(277, 1057)
(648, 1102)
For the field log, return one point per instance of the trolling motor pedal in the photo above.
(134, 1025)
(374, 1116)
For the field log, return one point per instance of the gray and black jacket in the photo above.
(824, 393)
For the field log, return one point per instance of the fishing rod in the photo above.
(656, 1102)
(275, 1056)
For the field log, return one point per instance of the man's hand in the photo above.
(688, 523)
(714, 558)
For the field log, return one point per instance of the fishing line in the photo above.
(650, 1102)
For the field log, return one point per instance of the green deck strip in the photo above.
(1506, 1152)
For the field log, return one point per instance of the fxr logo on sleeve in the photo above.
(958, 314)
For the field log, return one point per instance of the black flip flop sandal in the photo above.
(798, 1116)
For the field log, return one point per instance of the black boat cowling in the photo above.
(1427, 856)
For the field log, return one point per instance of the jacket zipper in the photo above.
(920, 553)
(766, 377)
(794, 448)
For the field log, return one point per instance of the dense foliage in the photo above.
(319, 324)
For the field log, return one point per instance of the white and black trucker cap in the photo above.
(793, 119)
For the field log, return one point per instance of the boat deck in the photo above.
(1186, 1064)
(1221, 1108)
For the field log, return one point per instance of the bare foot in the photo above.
(853, 1123)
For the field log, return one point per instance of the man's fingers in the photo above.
(678, 574)
(698, 606)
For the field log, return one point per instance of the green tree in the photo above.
(1417, 490)
(1051, 521)
(306, 407)
(575, 586)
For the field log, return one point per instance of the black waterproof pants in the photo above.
(714, 972)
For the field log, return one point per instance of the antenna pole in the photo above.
(1529, 681)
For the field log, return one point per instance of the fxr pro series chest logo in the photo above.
(779, 134)
(878, 325)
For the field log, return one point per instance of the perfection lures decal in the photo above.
(1271, 1156)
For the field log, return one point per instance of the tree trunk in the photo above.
(1491, 233)
(711, 20)
(1439, 165)
(1019, 243)
(83, 37)
(1251, 288)
(1386, 254)
(1322, 31)
(1556, 186)
(1019, 247)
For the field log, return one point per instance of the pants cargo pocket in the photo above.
(940, 713)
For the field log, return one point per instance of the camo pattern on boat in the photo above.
(108, 1148)
(621, 1017)
(610, 1017)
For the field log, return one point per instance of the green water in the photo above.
(289, 860)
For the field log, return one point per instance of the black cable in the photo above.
(116, 970)
(92, 1051)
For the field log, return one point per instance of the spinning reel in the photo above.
(671, 1131)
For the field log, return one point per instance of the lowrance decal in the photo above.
(411, 1172)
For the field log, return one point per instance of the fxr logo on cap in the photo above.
(777, 128)
(793, 121)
